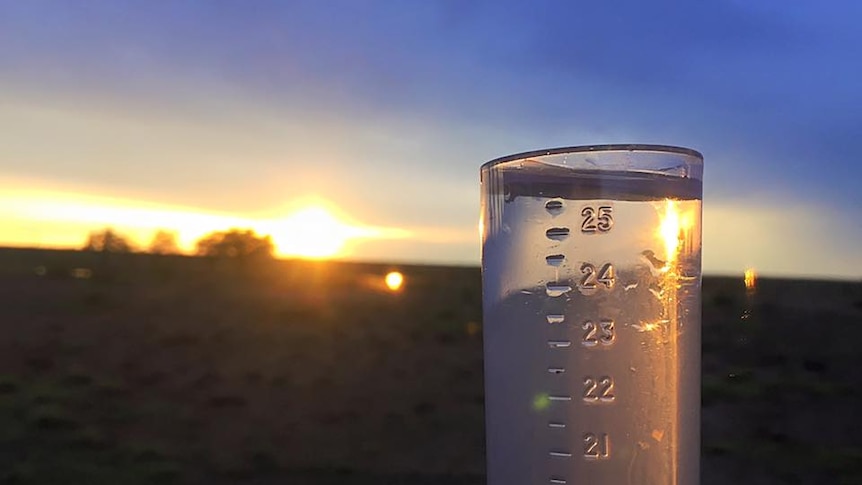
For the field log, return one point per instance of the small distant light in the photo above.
(82, 273)
(750, 279)
(394, 280)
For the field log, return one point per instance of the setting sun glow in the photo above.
(313, 232)
(46, 217)
(394, 280)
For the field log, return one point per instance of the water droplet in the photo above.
(555, 259)
(554, 206)
(630, 286)
(557, 233)
(552, 319)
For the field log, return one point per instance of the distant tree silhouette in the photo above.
(235, 244)
(164, 242)
(107, 241)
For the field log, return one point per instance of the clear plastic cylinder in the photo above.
(591, 268)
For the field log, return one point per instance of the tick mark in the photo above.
(555, 259)
(557, 233)
(554, 206)
(556, 289)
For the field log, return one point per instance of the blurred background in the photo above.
(240, 238)
(193, 117)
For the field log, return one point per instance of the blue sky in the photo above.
(387, 109)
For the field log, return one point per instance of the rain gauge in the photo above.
(591, 264)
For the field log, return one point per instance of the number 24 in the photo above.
(593, 276)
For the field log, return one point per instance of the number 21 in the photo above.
(597, 446)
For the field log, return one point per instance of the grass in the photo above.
(173, 369)
(49, 434)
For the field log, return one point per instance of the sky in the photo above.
(195, 115)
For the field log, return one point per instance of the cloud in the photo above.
(390, 107)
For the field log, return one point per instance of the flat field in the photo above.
(139, 369)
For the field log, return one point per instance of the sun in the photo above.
(394, 280)
(312, 232)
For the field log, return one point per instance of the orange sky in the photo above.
(305, 227)
(735, 237)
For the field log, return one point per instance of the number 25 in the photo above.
(601, 220)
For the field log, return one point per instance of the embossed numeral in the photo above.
(606, 218)
(590, 339)
(598, 390)
(607, 276)
(606, 332)
(592, 277)
(597, 220)
(597, 446)
(588, 280)
(595, 333)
